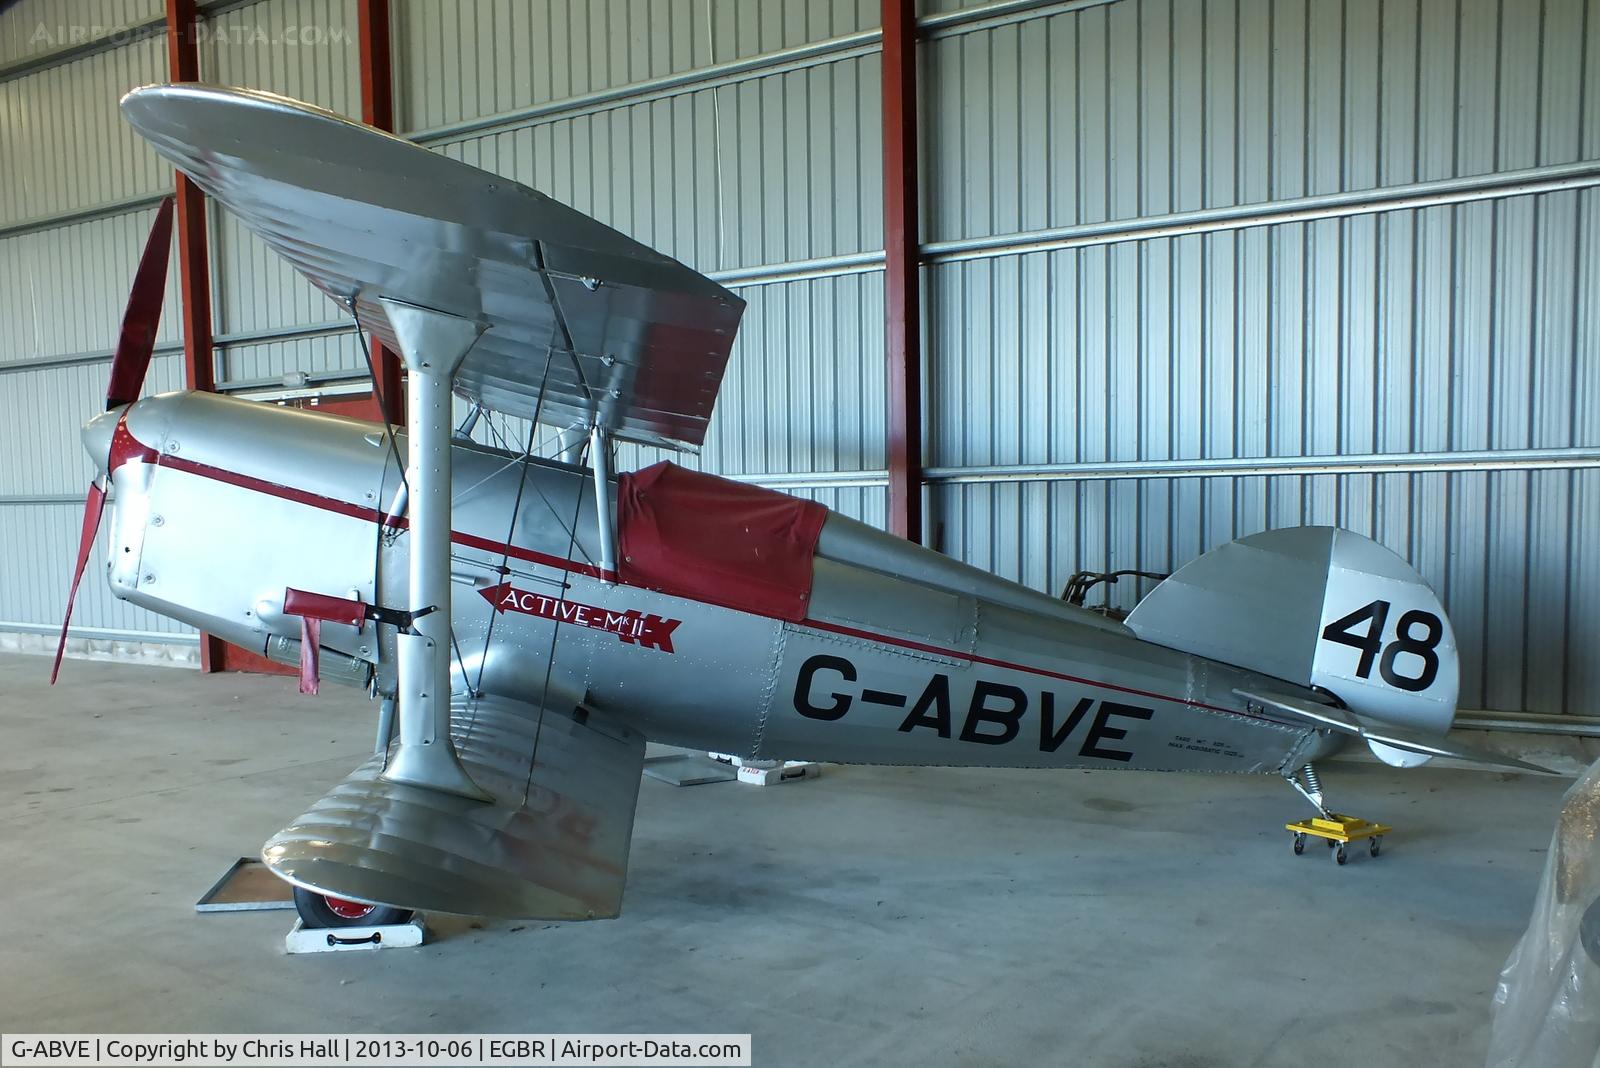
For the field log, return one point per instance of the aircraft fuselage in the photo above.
(903, 656)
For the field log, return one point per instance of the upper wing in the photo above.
(607, 329)
(552, 845)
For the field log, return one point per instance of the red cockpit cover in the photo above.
(695, 535)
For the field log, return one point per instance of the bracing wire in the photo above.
(555, 632)
(716, 128)
(501, 571)
(383, 400)
(505, 446)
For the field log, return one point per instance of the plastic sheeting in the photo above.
(1547, 1005)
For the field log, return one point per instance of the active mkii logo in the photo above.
(632, 626)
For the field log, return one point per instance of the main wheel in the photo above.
(321, 910)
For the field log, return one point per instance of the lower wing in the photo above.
(553, 843)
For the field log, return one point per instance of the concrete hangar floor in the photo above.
(872, 916)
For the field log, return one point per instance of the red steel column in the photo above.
(194, 270)
(902, 337)
(194, 274)
(377, 109)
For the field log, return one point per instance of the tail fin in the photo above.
(1318, 607)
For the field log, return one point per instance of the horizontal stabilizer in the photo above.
(1411, 742)
(552, 845)
(1377, 736)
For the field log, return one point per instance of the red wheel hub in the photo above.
(348, 910)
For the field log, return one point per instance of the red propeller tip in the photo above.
(93, 507)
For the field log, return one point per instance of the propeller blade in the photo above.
(135, 345)
(143, 315)
(93, 508)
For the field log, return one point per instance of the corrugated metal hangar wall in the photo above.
(1193, 269)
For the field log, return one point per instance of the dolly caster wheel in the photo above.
(1329, 842)
(1339, 855)
(1375, 844)
(1299, 843)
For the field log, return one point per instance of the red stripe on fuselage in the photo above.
(372, 515)
(358, 511)
(272, 489)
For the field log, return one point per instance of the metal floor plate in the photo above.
(247, 886)
(687, 769)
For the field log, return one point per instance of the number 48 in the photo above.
(1371, 644)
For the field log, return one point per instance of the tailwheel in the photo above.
(323, 910)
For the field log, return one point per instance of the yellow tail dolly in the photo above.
(1338, 831)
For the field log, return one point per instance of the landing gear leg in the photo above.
(1311, 790)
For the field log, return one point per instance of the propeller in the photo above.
(136, 343)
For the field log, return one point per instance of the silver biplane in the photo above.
(528, 623)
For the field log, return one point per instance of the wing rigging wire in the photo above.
(501, 570)
(516, 459)
(555, 632)
(560, 317)
(560, 320)
(383, 400)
